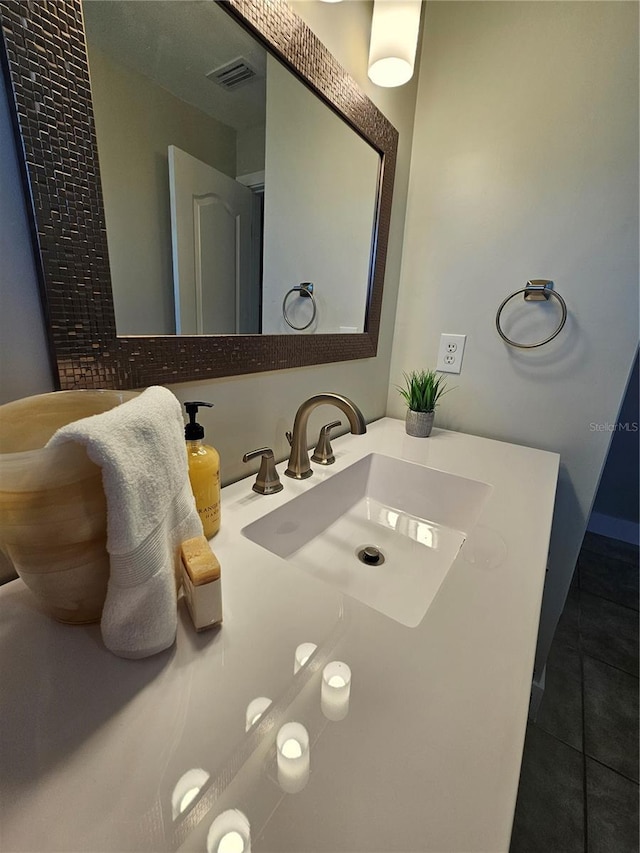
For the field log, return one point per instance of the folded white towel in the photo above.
(150, 511)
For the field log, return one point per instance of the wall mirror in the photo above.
(190, 163)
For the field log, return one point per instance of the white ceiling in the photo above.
(177, 43)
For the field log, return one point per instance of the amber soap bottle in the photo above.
(204, 472)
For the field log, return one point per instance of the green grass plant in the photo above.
(422, 390)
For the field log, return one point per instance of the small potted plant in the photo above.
(421, 392)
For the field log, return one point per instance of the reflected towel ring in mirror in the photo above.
(535, 291)
(305, 289)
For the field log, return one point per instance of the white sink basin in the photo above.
(417, 517)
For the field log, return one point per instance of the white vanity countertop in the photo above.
(427, 758)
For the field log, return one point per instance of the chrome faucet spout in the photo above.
(299, 466)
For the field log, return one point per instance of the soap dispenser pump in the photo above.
(204, 471)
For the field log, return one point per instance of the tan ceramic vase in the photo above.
(53, 518)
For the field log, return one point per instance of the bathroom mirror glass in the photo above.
(224, 179)
(108, 230)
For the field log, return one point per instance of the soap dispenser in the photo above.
(204, 472)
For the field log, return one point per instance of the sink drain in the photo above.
(370, 555)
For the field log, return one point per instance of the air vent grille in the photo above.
(233, 74)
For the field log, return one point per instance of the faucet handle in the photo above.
(267, 482)
(323, 454)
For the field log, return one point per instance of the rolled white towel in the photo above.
(140, 448)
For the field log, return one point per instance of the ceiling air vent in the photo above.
(233, 75)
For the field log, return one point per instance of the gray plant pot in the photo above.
(419, 424)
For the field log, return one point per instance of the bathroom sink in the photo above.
(415, 518)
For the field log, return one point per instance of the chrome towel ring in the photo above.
(535, 291)
(305, 289)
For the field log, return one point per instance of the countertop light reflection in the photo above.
(255, 709)
(335, 690)
(187, 789)
(303, 653)
(230, 832)
(292, 747)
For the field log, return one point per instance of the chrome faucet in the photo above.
(299, 466)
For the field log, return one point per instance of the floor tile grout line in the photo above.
(594, 595)
(580, 590)
(584, 654)
(556, 738)
(591, 552)
(612, 665)
(613, 770)
(610, 600)
(585, 806)
(598, 561)
(594, 534)
(595, 557)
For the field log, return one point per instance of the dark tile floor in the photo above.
(579, 779)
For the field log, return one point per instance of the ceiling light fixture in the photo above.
(394, 39)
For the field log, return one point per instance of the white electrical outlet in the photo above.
(450, 353)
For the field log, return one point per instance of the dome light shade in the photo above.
(394, 39)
